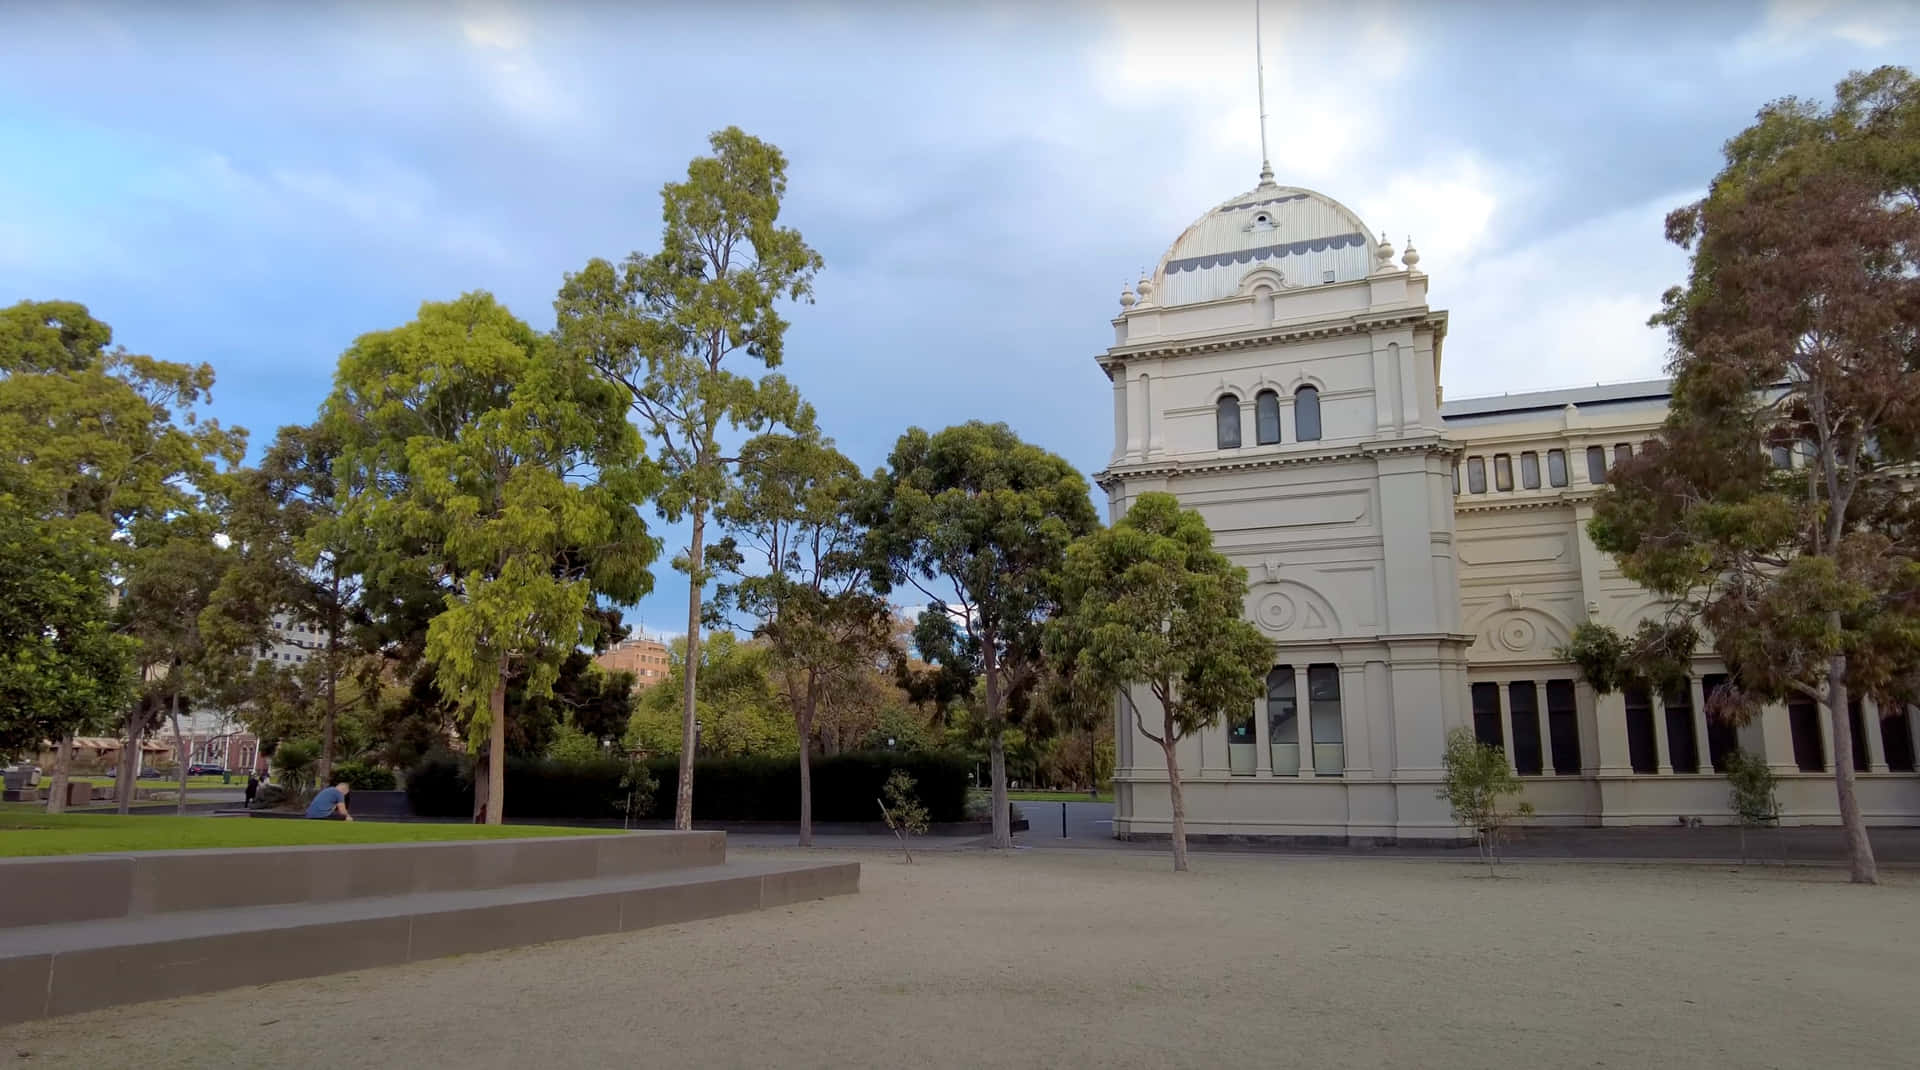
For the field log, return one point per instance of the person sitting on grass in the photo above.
(331, 803)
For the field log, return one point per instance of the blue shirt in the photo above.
(323, 803)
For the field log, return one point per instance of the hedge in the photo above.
(725, 789)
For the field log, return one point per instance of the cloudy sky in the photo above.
(254, 185)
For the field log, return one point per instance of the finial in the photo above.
(1383, 255)
(1145, 286)
(1126, 296)
(1411, 258)
(1260, 77)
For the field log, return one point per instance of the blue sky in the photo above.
(254, 185)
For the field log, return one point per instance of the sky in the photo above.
(256, 184)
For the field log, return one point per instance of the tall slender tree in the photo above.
(1798, 328)
(978, 522)
(519, 467)
(670, 329)
(794, 550)
(1150, 603)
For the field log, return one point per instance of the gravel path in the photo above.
(1082, 958)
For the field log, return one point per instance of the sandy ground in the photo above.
(1083, 958)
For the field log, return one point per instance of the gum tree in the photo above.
(978, 522)
(679, 333)
(1796, 339)
(1149, 603)
(518, 467)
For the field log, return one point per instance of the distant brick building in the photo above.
(646, 659)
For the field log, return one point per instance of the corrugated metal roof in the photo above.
(1550, 400)
(1298, 232)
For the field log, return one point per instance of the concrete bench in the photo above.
(86, 932)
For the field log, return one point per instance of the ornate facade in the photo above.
(1415, 563)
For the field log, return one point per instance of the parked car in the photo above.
(206, 770)
(150, 773)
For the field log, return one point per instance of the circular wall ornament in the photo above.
(1516, 634)
(1276, 612)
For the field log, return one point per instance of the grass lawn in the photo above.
(238, 783)
(33, 833)
(1059, 796)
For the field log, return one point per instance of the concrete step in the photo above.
(43, 891)
(68, 967)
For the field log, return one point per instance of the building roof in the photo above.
(1299, 233)
(1598, 396)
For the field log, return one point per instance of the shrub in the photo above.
(362, 776)
(726, 789)
(272, 796)
(296, 761)
(1478, 780)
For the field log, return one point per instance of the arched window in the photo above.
(1306, 414)
(1226, 422)
(1266, 417)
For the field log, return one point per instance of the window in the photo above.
(1642, 748)
(1563, 727)
(1596, 464)
(1722, 738)
(1683, 750)
(1557, 468)
(1622, 451)
(1857, 725)
(1477, 475)
(1896, 741)
(1326, 276)
(1283, 721)
(1523, 712)
(1306, 414)
(1781, 455)
(1266, 417)
(1530, 471)
(1240, 743)
(1486, 715)
(1809, 750)
(1502, 472)
(1323, 719)
(1226, 422)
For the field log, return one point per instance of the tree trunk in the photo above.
(62, 761)
(180, 751)
(332, 715)
(497, 749)
(689, 725)
(1860, 863)
(1179, 802)
(481, 782)
(806, 762)
(996, 745)
(129, 760)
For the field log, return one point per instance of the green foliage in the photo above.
(734, 789)
(903, 812)
(62, 667)
(979, 522)
(362, 777)
(662, 328)
(1751, 789)
(1659, 654)
(1149, 602)
(295, 763)
(571, 745)
(1478, 782)
(739, 710)
(506, 464)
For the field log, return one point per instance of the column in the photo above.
(1546, 736)
(1703, 745)
(1660, 732)
(1357, 753)
(1119, 418)
(1826, 739)
(1870, 727)
(1506, 727)
(1776, 735)
(1137, 417)
(1262, 748)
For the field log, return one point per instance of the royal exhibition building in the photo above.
(1416, 562)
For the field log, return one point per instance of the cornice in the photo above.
(1108, 478)
(1359, 323)
(1465, 504)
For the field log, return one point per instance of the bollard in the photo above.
(1063, 821)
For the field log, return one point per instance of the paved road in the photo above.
(1086, 822)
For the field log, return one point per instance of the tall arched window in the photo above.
(1266, 417)
(1306, 414)
(1226, 422)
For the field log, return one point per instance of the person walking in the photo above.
(253, 788)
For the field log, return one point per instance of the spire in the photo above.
(1260, 77)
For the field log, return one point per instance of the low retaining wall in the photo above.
(47, 890)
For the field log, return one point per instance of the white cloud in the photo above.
(1791, 27)
(494, 26)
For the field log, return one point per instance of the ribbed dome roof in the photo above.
(1299, 233)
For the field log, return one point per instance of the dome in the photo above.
(1308, 237)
